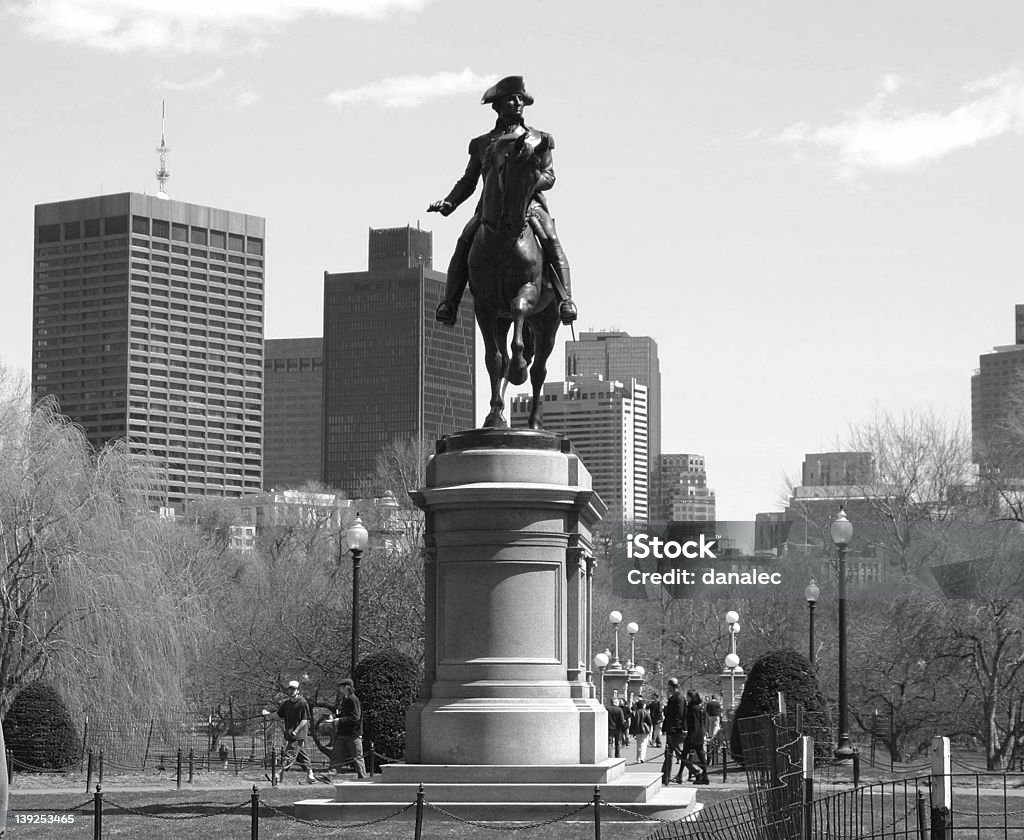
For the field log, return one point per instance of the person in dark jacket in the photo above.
(672, 728)
(616, 727)
(348, 731)
(693, 742)
(654, 707)
(294, 711)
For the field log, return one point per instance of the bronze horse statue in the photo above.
(506, 276)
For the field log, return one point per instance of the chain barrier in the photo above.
(977, 814)
(646, 817)
(516, 827)
(18, 764)
(172, 818)
(88, 802)
(324, 825)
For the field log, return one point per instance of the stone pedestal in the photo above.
(508, 587)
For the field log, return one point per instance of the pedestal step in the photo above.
(604, 773)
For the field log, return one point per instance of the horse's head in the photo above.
(512, 172)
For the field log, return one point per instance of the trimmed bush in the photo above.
(387, 683)
(40, 731)
(792, 674)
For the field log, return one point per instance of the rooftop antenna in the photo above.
(162, 174)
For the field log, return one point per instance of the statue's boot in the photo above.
(458, 276)
(563, 288)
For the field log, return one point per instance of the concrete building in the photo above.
(390, 370)
(620, 357)
(997, 389)
(148, 325)
(607, 423)
(685, 496)
(293, 398)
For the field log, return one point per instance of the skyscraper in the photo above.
(619, 356)
(607, 423)
(148, 325)
(997, 390)
(684, 488)
(293, 401)
(390, 370)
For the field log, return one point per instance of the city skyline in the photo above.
(800, 205)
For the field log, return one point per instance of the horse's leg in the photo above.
(544, 343)
(521, 306)
(496, 361)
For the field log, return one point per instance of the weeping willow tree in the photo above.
(96, 595)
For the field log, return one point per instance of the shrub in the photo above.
(40, 731)
(387, 683)
(792, 674)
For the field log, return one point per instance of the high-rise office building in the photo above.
(619, 356)
(997, 390)
(607, 423)
(390, 370)
(685, 496)
(293, 400)
(148, 326)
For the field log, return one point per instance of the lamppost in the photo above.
(615, 619)
(732, 659)
(601, 661)
(356, 537)
(842, 533)
(811, 593)
(632, 628)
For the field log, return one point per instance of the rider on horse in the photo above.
(507, 97)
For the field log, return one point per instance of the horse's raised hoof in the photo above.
(496, 420)
(517, 372)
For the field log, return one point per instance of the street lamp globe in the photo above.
(841, 529)
(356, 536)
(812, 592)
(601, 660)
(732, 661)
(640, 671)
(615, 618)
(732, 617)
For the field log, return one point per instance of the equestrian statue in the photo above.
(509, 252)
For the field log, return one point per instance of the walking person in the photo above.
(693, 743)
(672, 729)
(657, 715)
(616, 727)
(348, 733)
(294, 711)
(640, 728)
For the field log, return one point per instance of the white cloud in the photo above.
(193, 84)
(412, 91)
(880, 136)
(182, 25)
(247, 98)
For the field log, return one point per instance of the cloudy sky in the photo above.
(814, 208)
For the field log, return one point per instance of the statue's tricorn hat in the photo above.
(506, 87)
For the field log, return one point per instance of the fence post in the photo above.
(88, 772)
(149, 740)
(191, 765)
(231, 723)
(856, 767)
(725, 763)
(85, 741)
(942, 790)
(254, 810)
(100, 779)
(273, 767)
(807, 773)
(10, 766)
(178, 764)
(97, 814)
(419, 813)
(922, 816)
(597, 812)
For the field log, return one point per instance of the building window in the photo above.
(218, 239)
(254, 246)
(92, 227)
(72, 230)
(49, 233)
(115, 224)
(161, 228)
(179, 233)
(198, 236)
(236, 242)
(140, 224)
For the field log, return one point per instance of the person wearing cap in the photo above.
(294, 711)
(348, 732)
(673, 729)
(508, 98)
